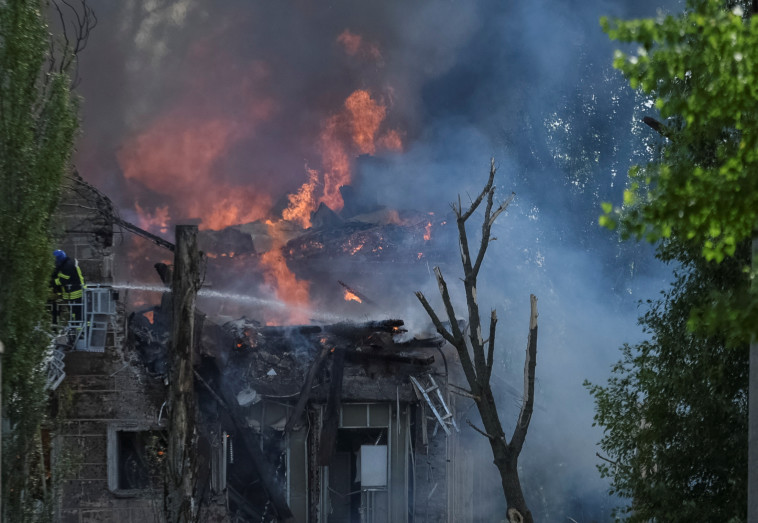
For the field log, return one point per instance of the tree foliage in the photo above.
(699, 70)
(674, 412)
(37, 126)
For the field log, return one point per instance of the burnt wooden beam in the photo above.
(360, 295)
(277, 331)
(408, 358)
(348, 330)
(148, 235)
(305, 392)
(421, 343)
(332, 416)
(266, 470)
(357, 330)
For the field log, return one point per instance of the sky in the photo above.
(221, 113)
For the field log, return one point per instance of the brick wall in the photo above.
(101, 390)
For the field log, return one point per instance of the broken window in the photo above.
(135, 459)
(357, 482)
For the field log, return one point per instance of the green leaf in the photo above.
(606, 221)
(629, 197)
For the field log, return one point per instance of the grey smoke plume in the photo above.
(528, 83)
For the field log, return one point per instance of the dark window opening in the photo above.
(345, 474)
(247, 493)
(140, 458)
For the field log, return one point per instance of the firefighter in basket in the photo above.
(67, 283)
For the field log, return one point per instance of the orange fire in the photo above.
(365, 117)
(176, 157)
(360, 122)
(351, 296)
(180, 157)
(428, 231)
(303, 202)
(179, 154)
(336, 162)
(286, 286)
(391, 141)
(150, 316)
(393, 217)
(156, 221)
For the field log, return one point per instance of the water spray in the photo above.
(235, 297)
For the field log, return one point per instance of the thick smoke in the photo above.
(190, 102)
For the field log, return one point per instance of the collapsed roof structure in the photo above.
(320, 422)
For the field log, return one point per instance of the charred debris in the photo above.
(256, 384)
(324, 422)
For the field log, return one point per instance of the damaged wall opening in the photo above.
(135, 459)
(357, 486)
(358, 476)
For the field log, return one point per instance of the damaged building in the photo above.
(336, 421)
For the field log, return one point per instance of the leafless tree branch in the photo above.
(491, 344)
(480, 431)
(455, 389)
(457, 335)
(527, 405)
(435, 319)
(475, 204)
(77, 20)
(477, 365)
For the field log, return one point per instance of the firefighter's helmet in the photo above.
(60, 256)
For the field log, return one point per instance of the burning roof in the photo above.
(276, 360)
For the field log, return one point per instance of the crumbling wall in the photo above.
(103, 393)
(82, 226)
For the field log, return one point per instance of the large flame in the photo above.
(177, 156)
(360, 122)
(365, 117)
(353, 131)
(180, 159)
(303, 202)
(285, 284)
(157, 220)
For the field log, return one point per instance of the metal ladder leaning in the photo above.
(427, 388)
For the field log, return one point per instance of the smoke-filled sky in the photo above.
(234, 111)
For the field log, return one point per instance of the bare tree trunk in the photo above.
(477, 364)
(180, 504)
